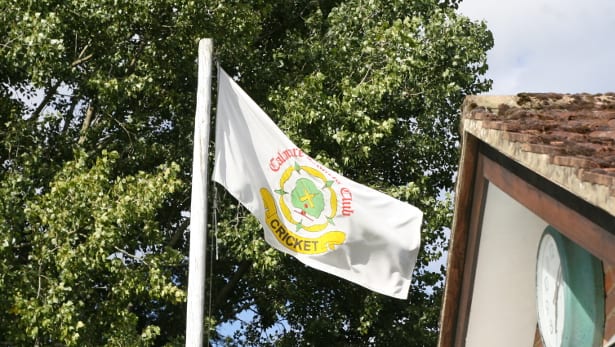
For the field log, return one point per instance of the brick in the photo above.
(604, 134)
(597, 177)
(501, 125)
(520, 137)
(542, 149)
(578, 162)
(604, 114)
(567, 136)
(607, 162)
(588, 148)
(479, 114)
(541, 124)
(582, 126)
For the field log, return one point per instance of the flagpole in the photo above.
(198, 206)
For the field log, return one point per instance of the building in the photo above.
(532, 250)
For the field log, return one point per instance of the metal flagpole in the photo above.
(198, 206)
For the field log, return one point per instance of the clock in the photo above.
(569, 293)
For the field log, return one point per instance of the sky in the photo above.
(563, 46)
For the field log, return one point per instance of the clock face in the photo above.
(550, 292)
(569, 299)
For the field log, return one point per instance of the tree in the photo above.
(96, 108)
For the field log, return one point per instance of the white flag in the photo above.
(323, 219)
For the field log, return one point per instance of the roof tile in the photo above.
(574, 130)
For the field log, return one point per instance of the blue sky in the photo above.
(549, 45)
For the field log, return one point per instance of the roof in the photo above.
(567, 138)
(553, 155)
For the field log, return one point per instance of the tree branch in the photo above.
(38, 291)
(89, 114)
(51, 92)
(179, 231)
(69, 114)
(223, 294)
(81, 60)
(132, 256)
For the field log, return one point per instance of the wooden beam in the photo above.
(569, 222)
(458, 241)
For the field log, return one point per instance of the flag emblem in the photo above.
(307, 199)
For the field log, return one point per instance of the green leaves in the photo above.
(96, 108)
(92, 223)
(384, 78)
(33, 40)
(376, 96)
